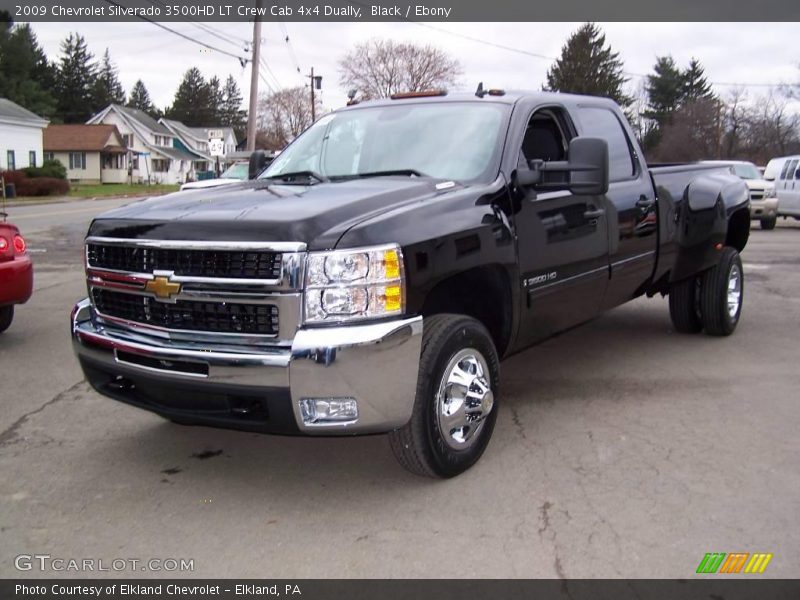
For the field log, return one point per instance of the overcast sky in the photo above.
(757, 53)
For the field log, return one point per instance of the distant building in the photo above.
(195, 139)
(20, 136)
(152, 153)
(91, 153)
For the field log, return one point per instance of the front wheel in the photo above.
(455, 408)
(769, 223)
(6, 316)
(721, 294)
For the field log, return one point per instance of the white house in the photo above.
(20, 137)
(153, 156)
(195, 139)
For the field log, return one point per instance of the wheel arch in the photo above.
(483, 293)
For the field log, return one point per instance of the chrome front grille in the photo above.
(242, 291)
(216, 317)
(756, 194)
(237, 264)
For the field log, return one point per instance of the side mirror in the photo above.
(587, 165)
(258, 160)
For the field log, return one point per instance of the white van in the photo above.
(785, 172)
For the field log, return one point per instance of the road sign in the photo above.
(215, 134)
(216, 147)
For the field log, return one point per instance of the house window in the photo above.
(160, 165)
(127, 139)
(135, 162)
(32, 158)
(49, 156)
(11, 163)
(77, 161)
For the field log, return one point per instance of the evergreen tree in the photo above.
(191, 99)
(212, 111)
(231, 113)
(695, 84)
(665, 90)
(75, 80)
(140, 98)
(26, 76)
(107, 87)
(588, 66)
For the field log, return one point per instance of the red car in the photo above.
(16, 273)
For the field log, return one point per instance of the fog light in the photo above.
(325, 411)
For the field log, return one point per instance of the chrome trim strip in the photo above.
(567, 280)
(199, 245)
(632, 258)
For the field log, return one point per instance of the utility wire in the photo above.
(289, 47)
(242, 60)
(552, 58)
(204, 27)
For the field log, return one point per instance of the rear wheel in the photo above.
(6, 316)
(721, 294)
(684, 306)
(769, 223)
(455, 408)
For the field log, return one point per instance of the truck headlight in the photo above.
(355, 284)
(770, 192)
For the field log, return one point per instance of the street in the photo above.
(622, 449)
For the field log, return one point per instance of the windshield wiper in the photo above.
(407, 172)
(299, 174)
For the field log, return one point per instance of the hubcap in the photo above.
(734, 291)
(464, 399)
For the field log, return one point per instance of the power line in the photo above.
(204, 27)
(268, 70)
(552, 58)
(242, 60)
(289, 47)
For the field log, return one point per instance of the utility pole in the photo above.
(254, 64)
(316, 84)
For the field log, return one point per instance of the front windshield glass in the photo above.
(237, 171)
(453, 140)
(746, 171)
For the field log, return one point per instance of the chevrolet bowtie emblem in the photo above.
(162, 288)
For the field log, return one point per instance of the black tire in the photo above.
(6, 316)
(684, 306)
(717, 318)
(769, 223)
(420, 446)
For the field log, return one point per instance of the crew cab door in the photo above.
(562, 238)
(630, 204)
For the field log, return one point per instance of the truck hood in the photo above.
(257, 211)
(758, 184)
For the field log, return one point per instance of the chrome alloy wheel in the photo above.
(734, 291)
(464, 398)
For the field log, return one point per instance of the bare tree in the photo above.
(738, 119)
(694, 132)
(379, 68)
(282, 116)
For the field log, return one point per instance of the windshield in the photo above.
(236, 171)
(746, 171)
(453, 140)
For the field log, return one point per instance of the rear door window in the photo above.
(603, 123)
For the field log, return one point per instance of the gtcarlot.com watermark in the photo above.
(48, 563)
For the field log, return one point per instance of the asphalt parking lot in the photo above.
(622, 449)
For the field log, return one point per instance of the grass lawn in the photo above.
(119, 189)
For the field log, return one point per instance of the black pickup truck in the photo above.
(371, 279)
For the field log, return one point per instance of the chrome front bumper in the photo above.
(374, 364)
(764, 208)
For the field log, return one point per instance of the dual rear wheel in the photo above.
(711, 300)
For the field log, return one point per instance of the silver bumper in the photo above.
(374, 364)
